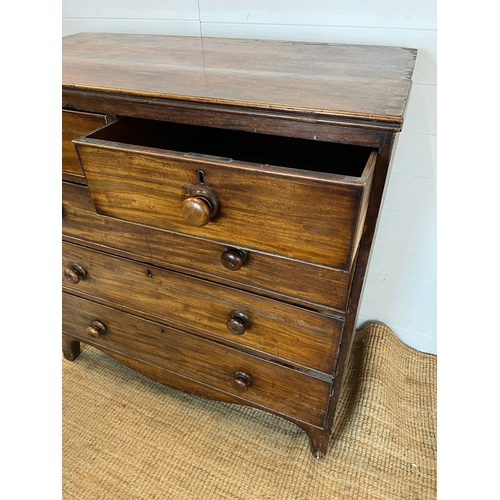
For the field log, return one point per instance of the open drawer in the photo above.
(296, 198)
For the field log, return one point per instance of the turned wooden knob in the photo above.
(75, 273)
(241, 381)
(233, 258)
(238, 323)
(199, 208)
(96, 330)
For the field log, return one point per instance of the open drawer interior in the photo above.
(227, 145)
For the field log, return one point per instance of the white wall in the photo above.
(400, 289)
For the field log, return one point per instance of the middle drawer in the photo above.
(285, 279)
(265, 326)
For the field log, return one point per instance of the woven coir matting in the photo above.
(127, 437)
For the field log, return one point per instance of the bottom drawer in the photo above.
(261, 382)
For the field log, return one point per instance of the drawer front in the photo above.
(282, 389)
(75, 124)
(305, 215)
(266, 274)
(265, 326)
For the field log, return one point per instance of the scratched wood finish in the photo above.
(293, 281)
(75, 124)
(284, 331)
(364, 83)
(286, 390)
(312, 216)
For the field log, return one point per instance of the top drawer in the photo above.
(292, 197)
(75, 124)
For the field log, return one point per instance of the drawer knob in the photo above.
(233, 258)
(241, 381)
(96, 330)
(74, 274)
(199, 207)
(238, 323)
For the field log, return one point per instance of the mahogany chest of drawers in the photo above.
(220, 199)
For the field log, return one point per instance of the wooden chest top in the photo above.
(365, 84)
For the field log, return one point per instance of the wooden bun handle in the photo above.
(233, 258)
(238, 323)
(96, 330)
(242, 381)
(74, 274)
(200, 207)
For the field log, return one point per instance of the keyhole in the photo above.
(201, 176)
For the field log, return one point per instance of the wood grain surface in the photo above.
(284, 331)
(367, 83)
(308, 215)
(75, 124)
(293, 281)
(285, 390)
